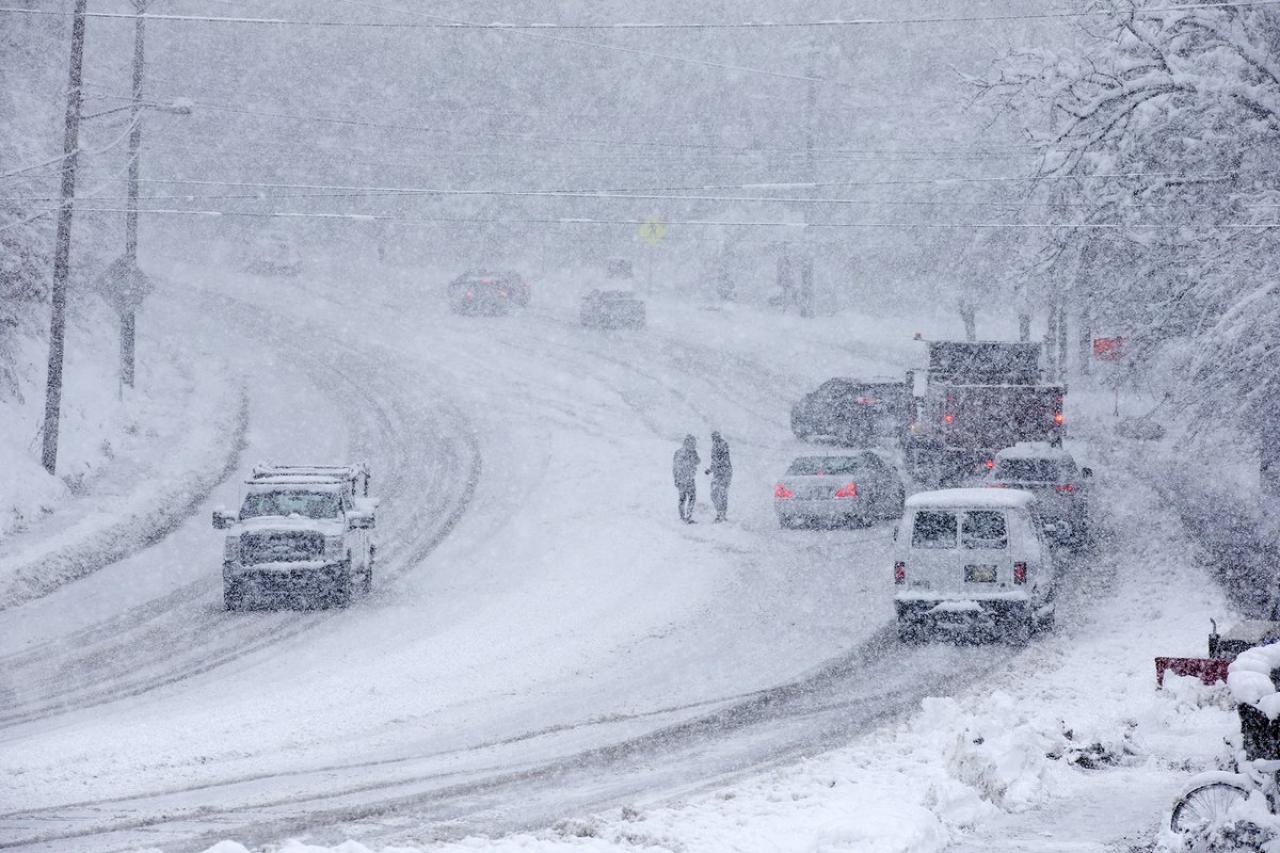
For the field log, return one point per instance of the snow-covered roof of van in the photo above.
(966, 498)
(1033, 450)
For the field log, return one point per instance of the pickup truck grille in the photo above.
(291, 546)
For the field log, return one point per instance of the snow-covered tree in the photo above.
(1161, 132)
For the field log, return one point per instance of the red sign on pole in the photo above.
(1109, 349)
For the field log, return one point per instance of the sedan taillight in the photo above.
(783, 492)
(849, 490)
(1019, 572)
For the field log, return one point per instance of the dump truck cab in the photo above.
(980, 397)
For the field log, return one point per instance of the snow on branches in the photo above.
(1165, 124)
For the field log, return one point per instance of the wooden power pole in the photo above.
(62, 244)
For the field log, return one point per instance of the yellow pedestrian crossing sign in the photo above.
(652, 231)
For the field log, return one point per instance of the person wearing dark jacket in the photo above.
(684, 469)
(721, 472)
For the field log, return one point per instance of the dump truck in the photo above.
(978, 398)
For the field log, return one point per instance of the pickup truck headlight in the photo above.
(333, 547)
(231, 549)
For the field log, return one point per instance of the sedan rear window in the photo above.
(1028, 470)
(984, 529)
(934, 529)
(808, 466)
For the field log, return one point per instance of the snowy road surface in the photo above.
(541, 633)
(544, 638)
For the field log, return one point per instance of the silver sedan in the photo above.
(845, 489)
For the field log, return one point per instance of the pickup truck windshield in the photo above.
(286, 503)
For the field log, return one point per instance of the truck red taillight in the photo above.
(783, 492)
(849, 490)
(899, 572)
(1019, 572)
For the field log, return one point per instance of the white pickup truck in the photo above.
(302, 532)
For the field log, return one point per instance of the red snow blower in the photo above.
(1223, 649)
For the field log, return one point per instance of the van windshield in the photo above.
(934, 529)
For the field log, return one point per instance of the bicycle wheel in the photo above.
(1206, 806)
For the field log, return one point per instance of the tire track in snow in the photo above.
(116, 660)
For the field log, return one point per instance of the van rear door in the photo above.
(958, 553)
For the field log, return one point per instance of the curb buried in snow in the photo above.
(138, 526)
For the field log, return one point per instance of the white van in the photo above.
(972, 558)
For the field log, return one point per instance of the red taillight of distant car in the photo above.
(899, 573)
(1019, 572)
(948, 418)
(990, 463)
(1059, 418)
(783, 492)
(1064, 488)
(849, 490)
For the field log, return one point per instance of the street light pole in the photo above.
(62, 244)
(128, 315)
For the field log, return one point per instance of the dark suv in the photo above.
(487, 292)
(855, 412)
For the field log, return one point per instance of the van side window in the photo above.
(983, 529)
(934, 529)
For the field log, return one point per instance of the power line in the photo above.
(368, 217)
(638, 195)
(78, 151)
(804, 185)
(446, 24)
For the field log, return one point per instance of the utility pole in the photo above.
(811, 168)
(128, 315)
(62, 244)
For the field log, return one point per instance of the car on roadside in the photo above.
(855, 412)
(302, 534)
(972, 560)
(612, 309)
(1052, 475)
(848, 488)
(488, 293)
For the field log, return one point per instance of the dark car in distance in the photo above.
(854, 412)
(612, 309)
(488, 293)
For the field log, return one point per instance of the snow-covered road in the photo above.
(543, 636)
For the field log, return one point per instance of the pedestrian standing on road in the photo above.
(721, 472)
(684, 469)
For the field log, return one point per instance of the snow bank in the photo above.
(132, 468)
(1070, 741)
(1249, 677)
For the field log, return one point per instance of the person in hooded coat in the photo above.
(684, 470)
(721, 472)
